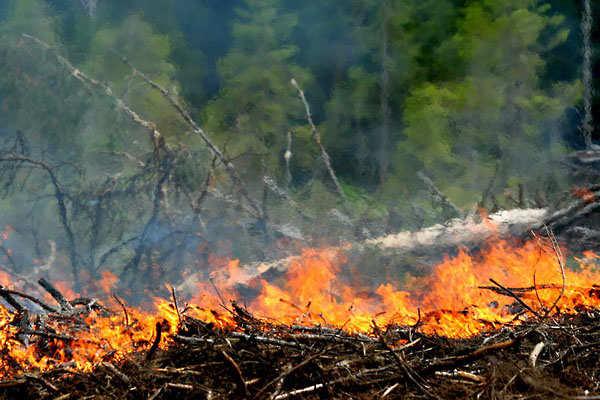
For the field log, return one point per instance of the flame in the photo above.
(318, 290)
(584, 194)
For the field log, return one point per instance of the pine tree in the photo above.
(149, 52)
(256, 105)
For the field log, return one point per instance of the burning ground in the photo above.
(500, 323)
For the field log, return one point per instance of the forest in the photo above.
(273, 199)
(150, 139)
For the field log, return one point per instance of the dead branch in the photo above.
(458, 361)
(439, 197)
(317, 138)
(59, 194)
(288, 371)
(10, 300)
(516, 297)
(412, 375)
(243, 386)
(266, 340)
(287, 157)
(230, 168)
(116, 372)
(154, 347)
(151, 126)
(28, 297)
(58, 296)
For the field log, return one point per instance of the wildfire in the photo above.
(449, 301)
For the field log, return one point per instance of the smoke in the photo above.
(586, 29)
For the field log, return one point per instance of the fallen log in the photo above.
(431, 242)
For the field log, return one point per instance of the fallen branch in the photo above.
(58, 296)
(516, 297)
(439, 197)
(459, 361)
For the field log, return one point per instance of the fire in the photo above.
(315, 290)
(584, 194)
(447, 302)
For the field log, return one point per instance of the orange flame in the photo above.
(314, 291)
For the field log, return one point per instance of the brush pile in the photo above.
(541, 355)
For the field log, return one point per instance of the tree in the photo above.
(364, 115)
(494, 122)
(256, 105)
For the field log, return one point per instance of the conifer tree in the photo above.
(256, 105)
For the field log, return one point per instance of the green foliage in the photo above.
(30, 17)
(470, 92)
(256, 105)
(146, 50)
(494, 112)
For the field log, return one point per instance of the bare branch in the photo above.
(60, 196)
(230, 168)
(317, 138)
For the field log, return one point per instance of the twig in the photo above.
(389, 390)
(461, 375)
(516, 297)
(535, 353)
(287, 372)
(179, 386)
(156, 393)
(223, 304)
(238, 374)
(417, 380)
(175, 304)
(300, 391)
(43, 381)
(124, 309)
(318, 386)
(558, 257)
(458, 361)
(116, 372)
